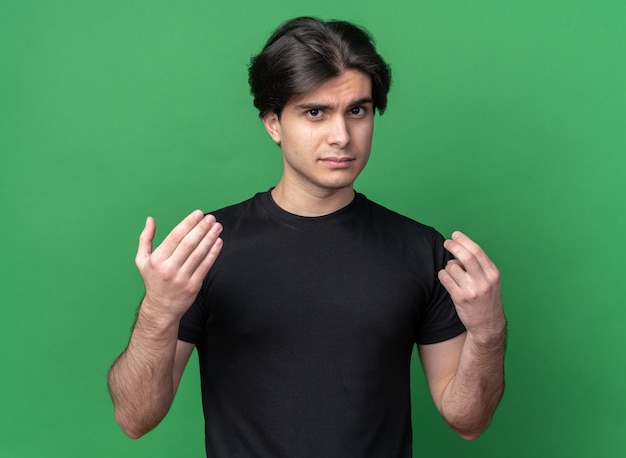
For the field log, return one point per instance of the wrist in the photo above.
(493, 334)
(155, 320)
(158, 312)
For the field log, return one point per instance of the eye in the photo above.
(357, 111)
(314, 113)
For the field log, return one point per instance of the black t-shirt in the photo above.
(305, 328)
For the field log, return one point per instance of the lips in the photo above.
(338, 162)
(338, 159)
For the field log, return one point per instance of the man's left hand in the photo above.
(473, 282)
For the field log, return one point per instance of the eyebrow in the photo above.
(321, 106)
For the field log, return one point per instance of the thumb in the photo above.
(144, 249)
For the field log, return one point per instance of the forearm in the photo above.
(470, 399)
(141, 379)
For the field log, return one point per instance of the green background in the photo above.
(506, 120)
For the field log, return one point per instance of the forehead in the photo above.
(350, 86)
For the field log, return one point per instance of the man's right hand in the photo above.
(173, 273)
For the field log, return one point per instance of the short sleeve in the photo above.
(439, 320)
(193, 322)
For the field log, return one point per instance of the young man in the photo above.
(305, 302)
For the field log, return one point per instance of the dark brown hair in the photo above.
(305, 52)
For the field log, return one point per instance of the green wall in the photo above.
(506, 120)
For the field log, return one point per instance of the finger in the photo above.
(144, 248)
(473, 248)
(468, 253)
(457, 273)
(463, 257)
(201, 250)
(456, 270)
(189, 244)
(449, 283)
(207, 262)
(173, 239)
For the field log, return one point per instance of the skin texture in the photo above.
(466, 374)
(325, 138)
(144, 378)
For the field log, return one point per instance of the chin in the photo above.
(338, 186)
(340, 180)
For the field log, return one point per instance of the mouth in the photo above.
(338, 162)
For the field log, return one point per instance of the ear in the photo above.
(272, 125)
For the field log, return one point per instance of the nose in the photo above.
(339, 134)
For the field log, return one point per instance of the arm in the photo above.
(466, 374)
(144, 378)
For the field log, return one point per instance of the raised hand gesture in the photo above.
(473, 282)
(174, 271)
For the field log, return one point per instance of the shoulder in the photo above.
(244, 219)
(237, 210)
(391, 220)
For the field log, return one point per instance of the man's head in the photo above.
(305, 52)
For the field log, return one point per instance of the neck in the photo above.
(305, 202)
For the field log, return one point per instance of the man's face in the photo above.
(326, 135)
